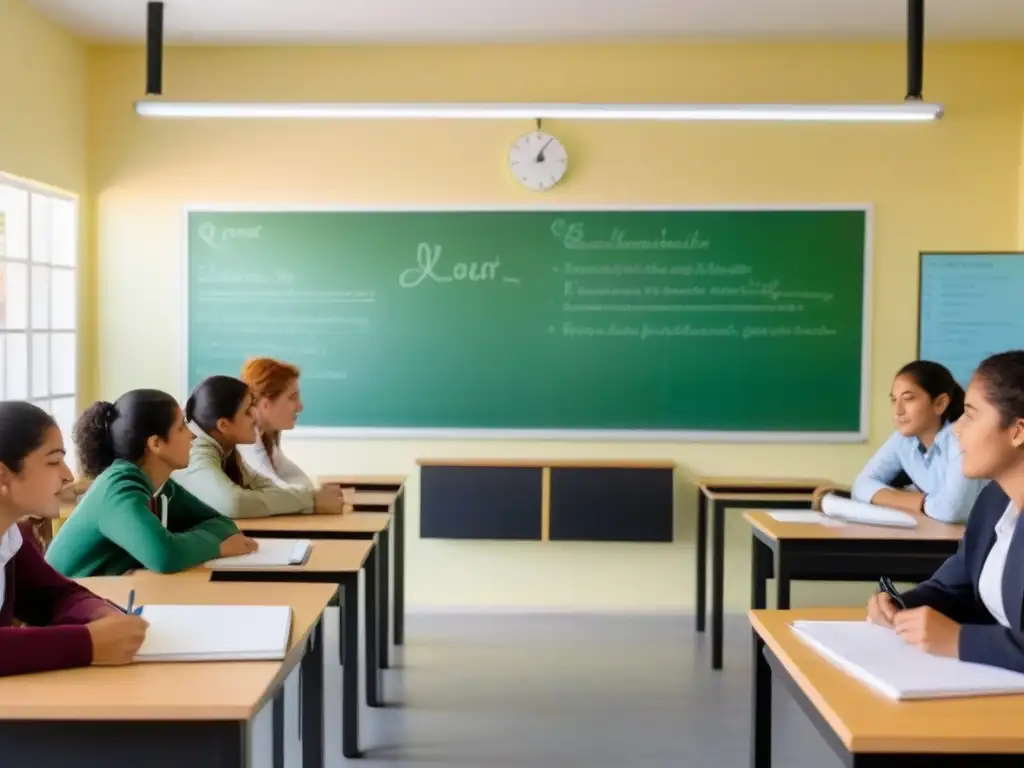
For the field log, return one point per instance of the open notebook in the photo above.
(866, 514)
(215, 632)
(879, 658)
(271, 553)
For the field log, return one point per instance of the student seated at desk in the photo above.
(61, 624)
(276, 406)
(220, 414)
(133, 515)
(926, 401)
(973, 607)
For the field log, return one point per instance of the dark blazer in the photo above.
(953, 590)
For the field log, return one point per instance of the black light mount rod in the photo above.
(915, 49)
(154, 48)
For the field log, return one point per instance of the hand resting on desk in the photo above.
(330, 500)
(237, 544)
(116, 638)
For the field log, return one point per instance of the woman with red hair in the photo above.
(277, 405)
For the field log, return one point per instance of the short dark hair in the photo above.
(23, 428)
(119, 430)
(935, 379)
(1002, 377)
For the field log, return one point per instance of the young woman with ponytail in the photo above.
(926, 403)
(220, 415)
(134, 515)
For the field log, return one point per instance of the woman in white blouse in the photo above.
(973, 607)
(277, 405)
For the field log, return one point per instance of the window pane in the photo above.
(17, 366)
(40, 304)
(40, 365)
(63, 411)
(63, 300)
(42, 229)
(13, 296)
(62, 363)
(64, 238)
(14, 209)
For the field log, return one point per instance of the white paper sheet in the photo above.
(879, 658)
(865, 514)
(804, 516)
(215, 632)
(271, 553)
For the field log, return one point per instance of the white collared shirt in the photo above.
(10, 543)
(990, 585)
(276, 467)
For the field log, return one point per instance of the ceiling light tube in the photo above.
(908, 111)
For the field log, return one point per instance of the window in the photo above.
(39, 299)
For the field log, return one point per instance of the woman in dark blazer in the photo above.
(972, 607)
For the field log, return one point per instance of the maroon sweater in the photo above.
(55, 610)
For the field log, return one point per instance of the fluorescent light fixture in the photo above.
(908, 111)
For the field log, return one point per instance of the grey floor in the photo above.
(555, 691)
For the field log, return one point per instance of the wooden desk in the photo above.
(865, 729)
(165, 715)
(357, 525)
(336, 563)
(723, 493)
(392, 484)
(811, 552)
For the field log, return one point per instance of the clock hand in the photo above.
(540, 155)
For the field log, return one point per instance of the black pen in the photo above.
(885, 585)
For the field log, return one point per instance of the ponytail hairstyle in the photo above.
(216, 398)
(120, 430)
(268, 378)
(935, 379)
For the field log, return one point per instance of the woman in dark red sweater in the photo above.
(61, 624)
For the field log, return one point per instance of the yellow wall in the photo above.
(43, 121)
(949, 185)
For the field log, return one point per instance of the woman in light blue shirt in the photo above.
(926, 401)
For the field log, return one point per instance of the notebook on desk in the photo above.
(271, 553)
(215, 632)
(877, 657)
(866, 514)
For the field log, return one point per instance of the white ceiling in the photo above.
(331, 21)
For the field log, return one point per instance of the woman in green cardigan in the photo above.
(133, 515)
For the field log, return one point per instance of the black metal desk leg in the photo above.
(278, 729)
(702, 559)
(717, 584)
(761, 706)
(399, 605)
(384, 575)
(371, 616)
(350, 672)
(760, 572)
(782, 585)
(311, 700)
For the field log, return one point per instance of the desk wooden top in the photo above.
(868, 722)
(364, 481)
(310, 525)
(234, 690)
(710, 483)
(926, 530)
(554, 463)
(752, 499)
(325, 556)
(375, 499)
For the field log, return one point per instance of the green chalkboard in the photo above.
(657, 321)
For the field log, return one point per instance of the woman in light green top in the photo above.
(219, 413)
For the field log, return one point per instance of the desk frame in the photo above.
(759, 497)
(766, 664)
(398, 518)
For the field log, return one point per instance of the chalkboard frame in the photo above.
(920, 279)
(577, 435)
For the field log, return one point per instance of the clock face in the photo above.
(538, 160)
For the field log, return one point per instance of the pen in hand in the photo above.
(886, 585)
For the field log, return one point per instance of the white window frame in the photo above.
(45, 402)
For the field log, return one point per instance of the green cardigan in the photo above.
(113, 529)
